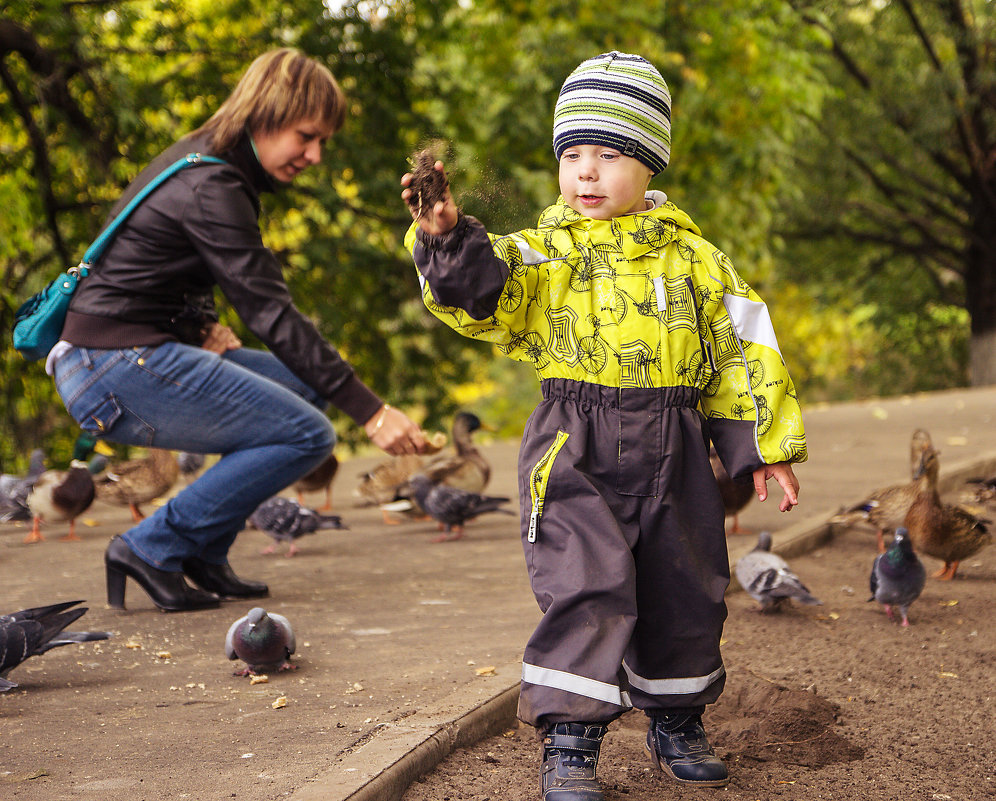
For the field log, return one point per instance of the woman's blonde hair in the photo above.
(280, 88)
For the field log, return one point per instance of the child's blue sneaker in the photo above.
(678, 746)
(570, 759)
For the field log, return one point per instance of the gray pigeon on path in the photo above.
(768, 579)
(34, 631)
(14, 489)
(897, 576)
(451, 506)
(286, 520)
(263, 640)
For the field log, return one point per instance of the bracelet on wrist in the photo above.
(380, 419)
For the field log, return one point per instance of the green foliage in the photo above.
(768, 131)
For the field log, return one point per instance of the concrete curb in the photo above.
(373, 771)
(382, 766)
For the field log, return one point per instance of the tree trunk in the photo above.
(980, 293)
(982, 359)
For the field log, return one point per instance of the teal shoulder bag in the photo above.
(38, 321)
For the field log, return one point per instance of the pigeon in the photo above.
(34, 631)
(263, 640)
(452, 506)
(285, 520)
(897, 576)
(190, 464)
(768, 579)
(14, 490)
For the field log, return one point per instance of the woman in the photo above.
(144, 361)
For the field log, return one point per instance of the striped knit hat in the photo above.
(617, 100)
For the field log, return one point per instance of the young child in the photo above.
(648, 345)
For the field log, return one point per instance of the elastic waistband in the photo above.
(585, 394)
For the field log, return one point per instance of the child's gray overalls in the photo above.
(623, 531)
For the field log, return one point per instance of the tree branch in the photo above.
(43, 167)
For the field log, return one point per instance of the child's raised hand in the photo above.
(430, 201)
(782, 473)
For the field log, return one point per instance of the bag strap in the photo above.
(96, 250)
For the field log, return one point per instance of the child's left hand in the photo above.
(782, 473)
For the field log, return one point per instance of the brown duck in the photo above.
(60, 495)
(137, 481)
(736, 494)
(945, 531)
(886, 509)
(380, 485)
(465, 468)
(319, 480)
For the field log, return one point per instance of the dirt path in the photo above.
(829, 702)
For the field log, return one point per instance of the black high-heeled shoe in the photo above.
(222, 580)
(167, 590)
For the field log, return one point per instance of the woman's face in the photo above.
(286, 152)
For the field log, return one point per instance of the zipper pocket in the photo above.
(538, 481)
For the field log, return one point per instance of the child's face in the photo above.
(601, 183)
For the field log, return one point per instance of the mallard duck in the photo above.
(945, 531)
(59, 495)
(886, 509)
(317, 480)
(380, 485)
(736, 494)
(985, 489)
(465, 468)
(137, 481)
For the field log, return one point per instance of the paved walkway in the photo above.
(854, 448)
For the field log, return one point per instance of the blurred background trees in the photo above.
(841, 152)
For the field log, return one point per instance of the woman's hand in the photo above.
(391, 431)
(442, 217)
(218, 338)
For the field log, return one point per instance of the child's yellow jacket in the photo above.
(638, 301)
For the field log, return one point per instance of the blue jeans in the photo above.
(268, 426)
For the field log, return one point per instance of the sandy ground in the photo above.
(822, 702)
(825, 702)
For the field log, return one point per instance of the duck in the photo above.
(380, 485)
(985, 489)
(61, 495)
(319, 479)
(137, 481)
(736, 494)
(945, 531)
(886, 509)
(465, 468)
